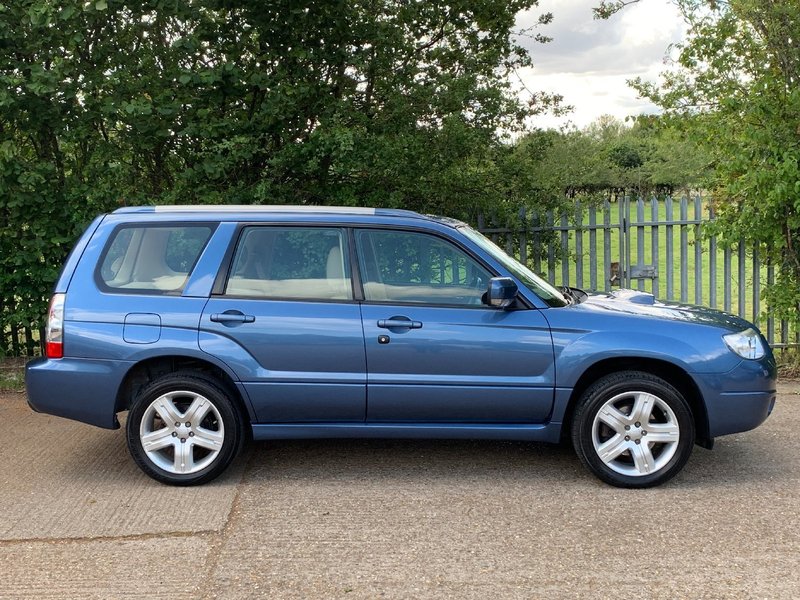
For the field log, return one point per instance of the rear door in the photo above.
(435, 352)
(287, 324)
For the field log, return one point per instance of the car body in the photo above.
(318, 322)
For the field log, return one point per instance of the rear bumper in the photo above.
(741, 399)
(81, 389)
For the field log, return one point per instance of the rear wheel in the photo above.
(633, 429)
(184, 429)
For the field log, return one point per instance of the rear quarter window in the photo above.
(156, 259)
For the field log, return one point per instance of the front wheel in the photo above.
(633, 429)
(183, 429)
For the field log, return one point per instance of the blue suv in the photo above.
(209, 325)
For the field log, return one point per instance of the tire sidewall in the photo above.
(231, 421)
(605, 389)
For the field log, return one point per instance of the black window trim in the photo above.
(105, 288)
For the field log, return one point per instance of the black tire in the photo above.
(222, 420)
(591, 434)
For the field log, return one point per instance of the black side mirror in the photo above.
(501, 292)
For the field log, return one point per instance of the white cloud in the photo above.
(589, 61)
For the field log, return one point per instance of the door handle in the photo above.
(232, 316)
(399, 323)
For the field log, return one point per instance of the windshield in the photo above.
(532, 281)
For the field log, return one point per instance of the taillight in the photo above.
(54, 341)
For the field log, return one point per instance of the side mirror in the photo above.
(501, 292)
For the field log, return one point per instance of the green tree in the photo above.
(735, 91)
(369, 102)
(610, 157)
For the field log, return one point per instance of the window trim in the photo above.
(226, 266)
(105, 288)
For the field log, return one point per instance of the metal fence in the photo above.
(653, 245)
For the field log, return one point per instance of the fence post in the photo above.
(712, 264)
(578, 245)
(669, 249)
(592, 247)
(654, 235)
(624, 241)
(698, 252)
(607, 245)
(684, 249)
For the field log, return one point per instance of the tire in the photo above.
(633, 430)
(169, 450)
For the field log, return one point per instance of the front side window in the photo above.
(412, 267)
(153, 258)
(291, 262)
(532, 281)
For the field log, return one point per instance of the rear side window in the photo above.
(291, 262)
(154, 259)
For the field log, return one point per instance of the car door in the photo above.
(287, 324)
(435, 352)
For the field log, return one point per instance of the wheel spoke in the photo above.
(612, 448)
(167, 410)
(614, 418)
(157, 440)
(663, 432)
(197, 411)
(205, 438)
(184, 462)
(643, 407)
(643, 458)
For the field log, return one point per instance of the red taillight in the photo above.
(55, 350)
(54, 341)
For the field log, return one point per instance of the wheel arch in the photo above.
(146, 370)
(671, 373)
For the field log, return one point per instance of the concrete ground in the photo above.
(394, 519)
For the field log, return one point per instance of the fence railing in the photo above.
(653, 245)
(17, 339)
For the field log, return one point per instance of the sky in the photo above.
(589, 61)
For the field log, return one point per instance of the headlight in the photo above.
(746, 344)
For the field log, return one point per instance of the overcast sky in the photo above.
(589, 61)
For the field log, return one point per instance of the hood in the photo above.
(634, 302)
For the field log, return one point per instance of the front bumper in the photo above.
(740, 399)
(81, 389)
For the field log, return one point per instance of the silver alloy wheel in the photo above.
(635, 433)
(182, 432)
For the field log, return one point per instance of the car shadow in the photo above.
(733, 461)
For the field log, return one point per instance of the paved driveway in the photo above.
(394, 519)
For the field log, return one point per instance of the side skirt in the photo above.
(549, 432)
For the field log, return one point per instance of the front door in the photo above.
(435, 352)
(288, 326)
